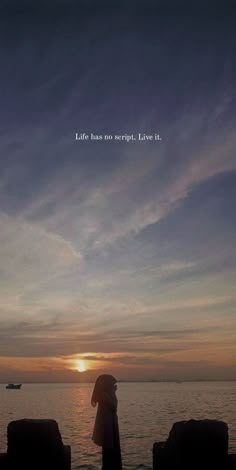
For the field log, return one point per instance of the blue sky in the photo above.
(122, 254)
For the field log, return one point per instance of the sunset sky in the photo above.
(118, 255)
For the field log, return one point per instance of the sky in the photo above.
(117, 256)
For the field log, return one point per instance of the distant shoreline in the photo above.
(132, 381)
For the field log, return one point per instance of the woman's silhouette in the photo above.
(106, 430)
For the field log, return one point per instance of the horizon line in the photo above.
(127, 381)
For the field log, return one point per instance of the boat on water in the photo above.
(14, 386)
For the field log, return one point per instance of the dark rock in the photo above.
(193, 445)
(3, 461)
(36, 444)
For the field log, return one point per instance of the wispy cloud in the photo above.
(113, 248)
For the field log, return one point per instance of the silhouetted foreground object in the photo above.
(35, 444)
(195, 445)
(106, 428)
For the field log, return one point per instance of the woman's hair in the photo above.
(104, 383)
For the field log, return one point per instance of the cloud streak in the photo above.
(120, 248)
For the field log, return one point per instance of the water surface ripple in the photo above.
(146, 414)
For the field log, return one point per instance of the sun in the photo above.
(80, 365)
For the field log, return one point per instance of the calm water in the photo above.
(146, 414)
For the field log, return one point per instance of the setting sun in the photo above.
(80, 365)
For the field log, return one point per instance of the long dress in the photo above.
(106, 432)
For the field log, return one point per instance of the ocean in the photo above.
(146, 413)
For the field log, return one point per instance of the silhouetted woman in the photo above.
(106, 429)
